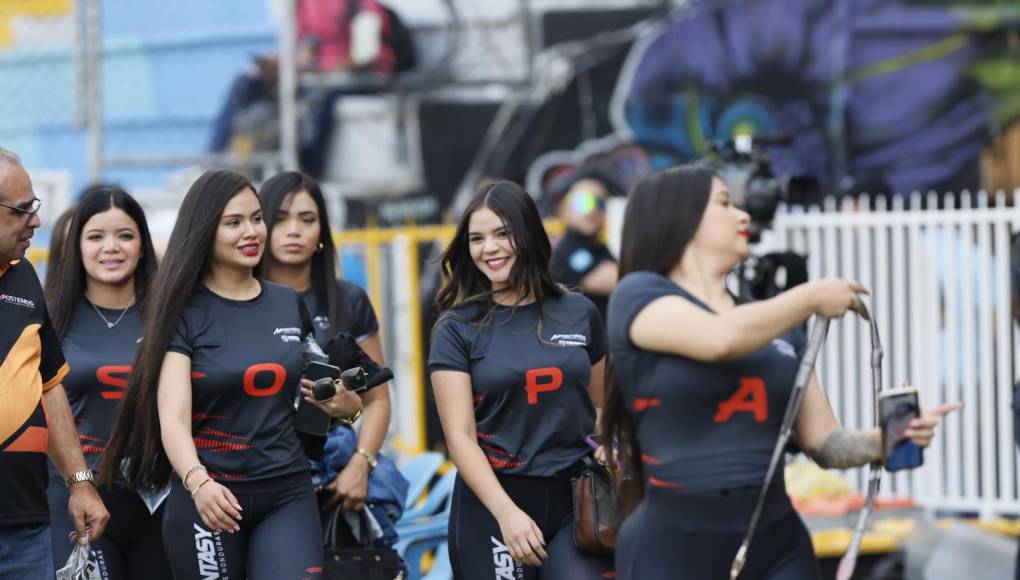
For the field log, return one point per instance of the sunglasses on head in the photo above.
(585, 202)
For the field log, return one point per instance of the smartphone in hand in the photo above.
(315, 370)
(323, 390)
(897, 408)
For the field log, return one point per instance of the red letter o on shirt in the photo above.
(279, 376)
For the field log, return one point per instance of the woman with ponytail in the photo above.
(699, 383)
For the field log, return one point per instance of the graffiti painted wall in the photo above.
(868, 95)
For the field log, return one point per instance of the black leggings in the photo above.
(476, 544)
(280, 537)
(694, 536)
(131, 546)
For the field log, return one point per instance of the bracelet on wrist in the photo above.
(369, 458)
(198, 467)
(83, 476)
(199, 486)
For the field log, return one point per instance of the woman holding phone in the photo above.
(699, 384)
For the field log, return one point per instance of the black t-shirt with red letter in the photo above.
(701, 426)
(246, 363)
(532, 407)
(30, 363)
(100, 359)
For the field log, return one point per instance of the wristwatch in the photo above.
(79, 477)
(369, 458)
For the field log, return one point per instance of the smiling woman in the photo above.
(505, 325)
(211, 325)
(491, 247)
(104, 279)
(237, 248)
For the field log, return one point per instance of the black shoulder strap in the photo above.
(306, 319)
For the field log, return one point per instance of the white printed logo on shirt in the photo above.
(570, 339)
(581, 260)
(784, 348)
(17, 301)
(288, 334)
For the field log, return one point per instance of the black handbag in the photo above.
(356, 562)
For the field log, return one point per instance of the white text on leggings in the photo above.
(206, 548)
(506, 568)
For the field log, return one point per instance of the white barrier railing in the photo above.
(940, 282)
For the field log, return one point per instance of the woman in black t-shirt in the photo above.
(516, 365)
(107, 265)
(301, 255)
(699, 387)
(214, 385)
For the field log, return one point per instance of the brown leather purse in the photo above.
(596, 509)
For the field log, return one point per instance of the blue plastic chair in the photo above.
(428, 537)
(427, 530)
(419, 472)
(441, 568)
(432, 504)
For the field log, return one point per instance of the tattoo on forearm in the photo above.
(847, 448)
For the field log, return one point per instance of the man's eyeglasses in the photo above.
(33, 207)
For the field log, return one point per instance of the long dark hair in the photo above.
(136, 430)
(329, 297)
(663, 212)
(58, 237)
(70, 272)
(529, 275)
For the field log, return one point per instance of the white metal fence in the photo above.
(940, 283)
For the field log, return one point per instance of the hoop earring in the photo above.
(320, 247)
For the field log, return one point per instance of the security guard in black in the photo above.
(576, 256)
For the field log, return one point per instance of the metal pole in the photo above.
(530, 42)
(95, 85)
(288, 85)
(78, 51)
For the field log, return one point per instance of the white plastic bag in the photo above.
(81, 565)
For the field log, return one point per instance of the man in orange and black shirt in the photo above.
(35, 417)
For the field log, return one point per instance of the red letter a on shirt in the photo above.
(749, 398)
